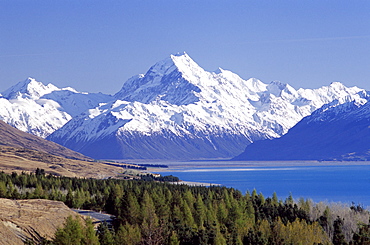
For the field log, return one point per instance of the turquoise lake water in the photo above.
(344, 183)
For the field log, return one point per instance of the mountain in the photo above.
(41, 109)
(333, 132)
(177, 110)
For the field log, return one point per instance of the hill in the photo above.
(21, 151)
(30, 220)
(13, 137)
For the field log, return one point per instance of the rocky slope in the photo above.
(30, 220)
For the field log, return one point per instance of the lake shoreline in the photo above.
(176, 165)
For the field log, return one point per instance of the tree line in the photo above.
(151, 212)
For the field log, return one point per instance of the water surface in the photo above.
(332, 182)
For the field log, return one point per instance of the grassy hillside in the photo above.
(13, 137)
(21, 159)
(21, 151)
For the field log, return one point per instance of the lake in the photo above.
(332, 182)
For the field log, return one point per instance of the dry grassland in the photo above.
(18, 160)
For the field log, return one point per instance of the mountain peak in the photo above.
(29, 88)
(336, 84)
(178, 54)
(170, 79)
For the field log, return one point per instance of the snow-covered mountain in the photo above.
(333, 132)
(33, 107)
(177, 110)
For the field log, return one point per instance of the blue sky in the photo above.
(97, 45)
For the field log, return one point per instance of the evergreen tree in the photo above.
(90, 236)
(3, 189)
(130, 209)
(69, 198)
(151, 230)
(200, 214)
(187, 215)
(70, 234)
(128, 234)
(173, 239)
(362, 237)
(338, 238)
(105, 235)
(275, 200)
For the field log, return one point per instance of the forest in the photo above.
(154, 212)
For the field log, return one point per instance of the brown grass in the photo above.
(18, 160)
(13, 137)
(30, 219)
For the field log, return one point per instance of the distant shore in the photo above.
(191, 183)
(178, 165)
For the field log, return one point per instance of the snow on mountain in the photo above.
(30, 89)
(75, 103)
(333, 132)
(41, 109)
(178, 110)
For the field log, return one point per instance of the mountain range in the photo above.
(176, 110)
(332, 133)
(41, 109)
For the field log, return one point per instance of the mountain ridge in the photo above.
(335, 132)
(39, 109)
(189, 109)
(176, 104)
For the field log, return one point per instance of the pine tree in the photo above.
(275, 200)
(128, 234)
(289, 200)
(70, 234)
(338, 238)
(173, 239)
(106, 236)
(188, 218)
(90, 236)
(200, 214)
(151, 230)
(130, 209)
(3, 189)
(362, 237)
(10, 189)
(69, 198)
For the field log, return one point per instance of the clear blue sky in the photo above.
(97, 45)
